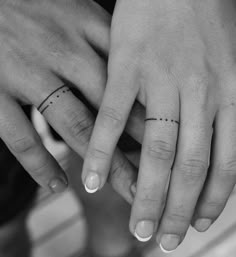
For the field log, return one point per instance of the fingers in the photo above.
(89, 76)
(222, 173)
(23, 141)
(73, 121)
(158, 152)
(65, 113)
(83, 68)
(110, 123)
(98, 28)
(61, 50)
(68, 116)
(122, 176)
(90, 79)
(189, 172)
(88, 72)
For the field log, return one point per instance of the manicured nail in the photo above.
(58, 185)
(169, 242)
(92, 182)
(202, 225)
(144, 230)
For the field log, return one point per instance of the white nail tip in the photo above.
(142, 239)
(90, 191)
(164, 250)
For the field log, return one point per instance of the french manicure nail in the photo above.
(202, 225)
(169, 242)
(92, 182)
(144, 230)
(58, 185)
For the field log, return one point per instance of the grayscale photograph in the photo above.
(117, 128)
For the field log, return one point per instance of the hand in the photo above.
(178, 59)
(42, 44)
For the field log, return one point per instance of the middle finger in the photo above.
(189, 171)
(157, 156)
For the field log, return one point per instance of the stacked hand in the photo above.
(178, 59)
(175, 57)
(42, 44)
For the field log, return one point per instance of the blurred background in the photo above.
(58, 224)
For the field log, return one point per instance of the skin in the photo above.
(43, 43)
(178, 59)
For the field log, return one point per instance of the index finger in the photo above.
(74, 122)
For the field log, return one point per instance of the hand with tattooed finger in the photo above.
(48, 46)
(177, 57)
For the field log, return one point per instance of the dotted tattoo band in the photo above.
(161, 119)
(48, 101)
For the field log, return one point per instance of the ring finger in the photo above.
(158, 152)
(70, 118)
(222, 172)
(189, 171)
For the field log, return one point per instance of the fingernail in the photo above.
(58, 185)
(202, 225)
(144, 230)
(133, 189)
(169, 242)
(92, 182)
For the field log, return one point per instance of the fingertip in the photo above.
(142, 239)
(164, 250)
(92, 182)
(202, 224)
(58, 184)
(90, 191)
(169, 242)
(144, 230)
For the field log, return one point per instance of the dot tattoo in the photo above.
(161, 119)
(46, 103)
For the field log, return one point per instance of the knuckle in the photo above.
(178, 213)
(193, 170)
(112, 117)
(25, 144)
(162, 150)
(149, 204)
(213, 207)
(215, 203)
(148, 200)
(135, 42)
(178, 216)
(150, 197)
(227, 169)
(55, 38)
(39, 168)
(95, 153)
(199, 84)
(81, 126)
(118, 167)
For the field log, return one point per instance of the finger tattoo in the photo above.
(47, 102)
(162, 119)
